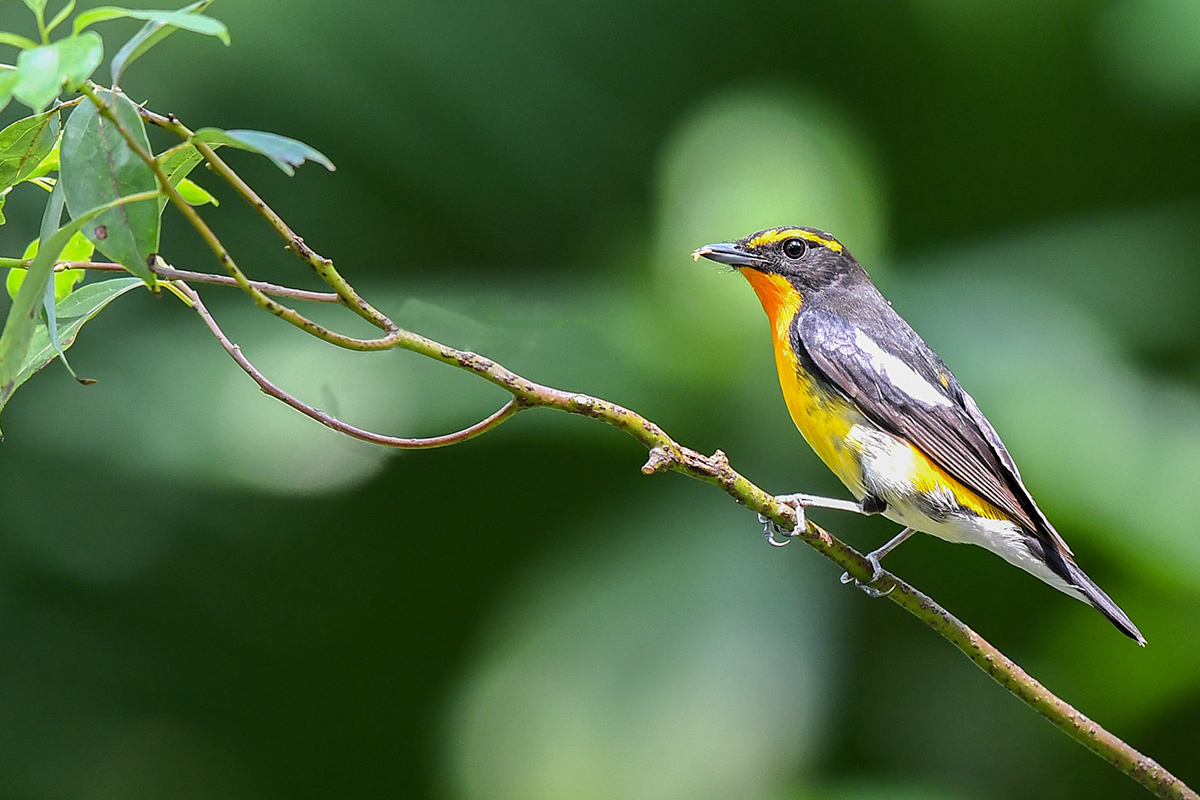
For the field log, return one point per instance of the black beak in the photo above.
(726, 253)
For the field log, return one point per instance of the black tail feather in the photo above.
(1103, 603)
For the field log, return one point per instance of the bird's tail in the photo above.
(1102, 602)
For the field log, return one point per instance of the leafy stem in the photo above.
(321, 265)
(260, 298)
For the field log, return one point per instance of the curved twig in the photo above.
(507, 410)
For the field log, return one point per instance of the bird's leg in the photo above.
(868, 505)
(873, 557)
(779, 537)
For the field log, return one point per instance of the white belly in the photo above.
(888, 464)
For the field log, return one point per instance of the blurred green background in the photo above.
(204, 595)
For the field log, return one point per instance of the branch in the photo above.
(665, 453)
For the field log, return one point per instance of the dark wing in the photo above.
(1010, 466)
(897, 382)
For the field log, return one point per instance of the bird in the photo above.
(889, 418)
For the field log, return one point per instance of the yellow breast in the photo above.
(824, 419)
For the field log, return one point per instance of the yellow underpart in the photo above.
(824, 420)
(827, 420)
(770, 237)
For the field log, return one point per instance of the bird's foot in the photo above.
(777, 536)
(876, 574)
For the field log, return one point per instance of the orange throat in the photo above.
(779, 299)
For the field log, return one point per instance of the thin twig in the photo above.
(507, 410)
(170, 273)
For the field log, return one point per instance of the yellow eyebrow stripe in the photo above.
(770, 237)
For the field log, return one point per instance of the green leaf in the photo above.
(22, 315)
(195, 194)
(42, 71)
(17, 40)
(151, 34)
(84, 303)
(8, 82)
(73, 311)
(37, 6)
(51, 321)
(52, 218)
(99, 14)
(79, 248)
(50, 298)
(97, 167)
(61, 16)
(16, 276)
(285, 153)
(180, 163)
(197, 23)
(65, 280)
(50, 222)
(49, 163)
(24, 144)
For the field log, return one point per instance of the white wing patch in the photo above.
(900, 374)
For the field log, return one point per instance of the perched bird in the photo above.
(888, 417)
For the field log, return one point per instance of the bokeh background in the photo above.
(204, 595)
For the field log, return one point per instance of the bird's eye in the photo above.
(794, 248)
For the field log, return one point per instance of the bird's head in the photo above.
(784, 265)
(807, 257)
